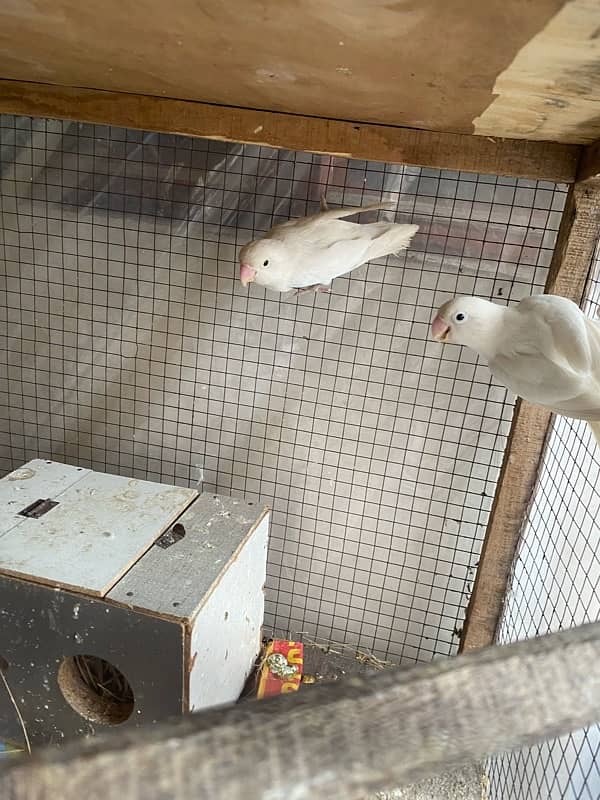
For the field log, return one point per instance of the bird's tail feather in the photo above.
(393, 240)
(595, 426)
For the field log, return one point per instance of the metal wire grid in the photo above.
(555, 584)
(130, 347)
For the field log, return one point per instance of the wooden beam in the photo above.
(518, 475)
(576, 242)
(514, 157)
(569, 270)
(337, 740)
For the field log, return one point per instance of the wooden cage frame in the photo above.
(435, 716)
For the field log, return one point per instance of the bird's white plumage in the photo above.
(312, 251)
(545, 349)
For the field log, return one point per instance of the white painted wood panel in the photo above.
(37, 480)
(102, 525)
(226, 634)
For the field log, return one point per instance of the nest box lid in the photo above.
(176, 577)
(78, 529)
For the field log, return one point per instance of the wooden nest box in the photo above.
(123, 601)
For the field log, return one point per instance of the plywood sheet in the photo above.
(173, 581)
(225, 638)
(40, 627)
(551, 90)
(431, 65)
(36, 480)
(102, 524)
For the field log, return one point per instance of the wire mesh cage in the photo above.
(129, 346)
(554, 584)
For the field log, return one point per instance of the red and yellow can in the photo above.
(281, 668)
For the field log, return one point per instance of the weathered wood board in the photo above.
(38, 479)
(215, 529)
(550, 89)
(391, 144)
(101, 525)
(338, 740)
(225, 636)
(39, 627)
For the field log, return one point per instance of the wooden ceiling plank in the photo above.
(395, 145)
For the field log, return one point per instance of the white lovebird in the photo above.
(544, 349)
(306, 254)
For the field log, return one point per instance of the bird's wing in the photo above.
(322, 248)
(323, 218)
(549, 357)
(563, 336)
(328, 260)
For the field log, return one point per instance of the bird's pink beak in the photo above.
(247, 274)
(440, 329)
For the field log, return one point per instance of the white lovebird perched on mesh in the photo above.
(306, 254)
(544, 349)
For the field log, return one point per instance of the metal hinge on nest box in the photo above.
(172, 536)
(38, 508)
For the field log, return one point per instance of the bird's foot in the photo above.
(315, 287)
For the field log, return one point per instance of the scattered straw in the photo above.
(103, 679)
(366, 657)
(346, 651)
(16, 707)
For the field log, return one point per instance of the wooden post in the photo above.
(569, 271)
(339, 740)
(589, 163)
(395, 145)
